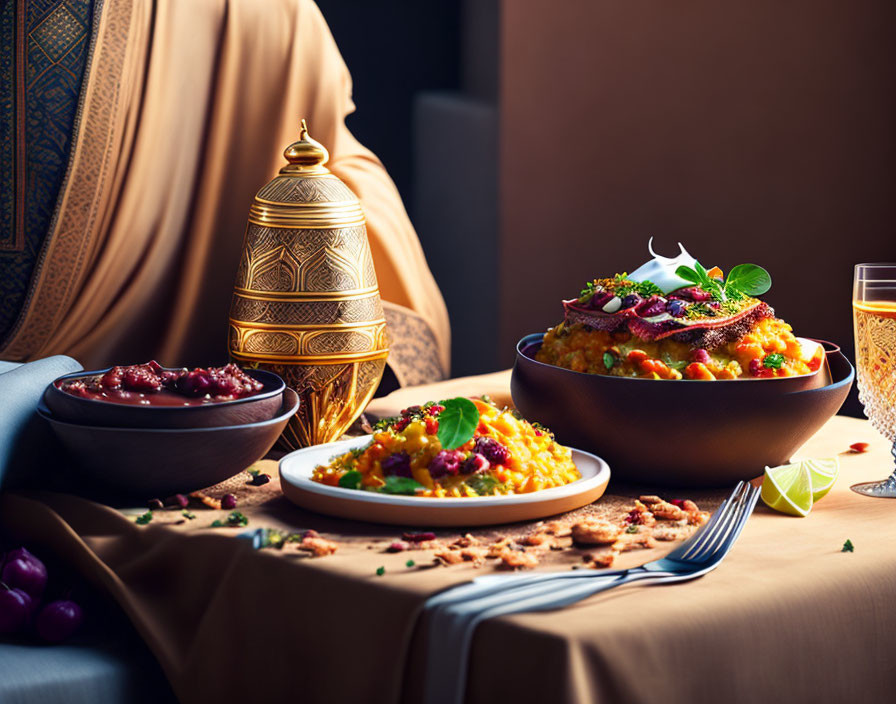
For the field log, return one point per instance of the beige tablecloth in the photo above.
(787, 617)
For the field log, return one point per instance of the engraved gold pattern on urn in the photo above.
(306, 303)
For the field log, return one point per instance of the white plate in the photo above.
(295, 480)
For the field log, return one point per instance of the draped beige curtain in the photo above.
(186, 108)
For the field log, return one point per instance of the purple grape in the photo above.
(475, 463)
(15, 607)
(25, 571)
(447, 462)
(398, 465)
(675, 308)
(492, 450)
(701, 356)
(228, 502)
(58, 620)
(631, 300)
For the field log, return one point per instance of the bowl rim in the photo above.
(279, 386)
(282, 415)
(829, 348)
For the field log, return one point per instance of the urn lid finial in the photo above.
(307, 151)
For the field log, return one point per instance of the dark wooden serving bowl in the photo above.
(677, 433)
(88, 411)
(158, 462)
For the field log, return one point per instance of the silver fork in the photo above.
(456, 613)
(718, 525)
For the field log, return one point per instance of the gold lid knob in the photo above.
(306, 152)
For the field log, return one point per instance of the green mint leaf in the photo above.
(380, 571)
(217, 524)
(701, 271)
(609, 360)
(749, 279)
(350, 480)
(144, 519)
(457, 422)
(773, 361)
(401, 485)
(847, 547)
(688, 274)
(409, 563)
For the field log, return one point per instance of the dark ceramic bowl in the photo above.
(677, 433)
(153, 462)
(108, 414)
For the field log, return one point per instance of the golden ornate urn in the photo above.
(306, 303)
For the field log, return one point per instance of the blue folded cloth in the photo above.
(23, 435)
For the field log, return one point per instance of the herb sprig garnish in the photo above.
(743, 280)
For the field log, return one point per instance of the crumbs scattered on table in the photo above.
(317, 546)
(204, 499)
(257, 477)
(858, 447)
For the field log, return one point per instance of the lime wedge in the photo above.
(793, 488)
(788, 489)
(824, 473)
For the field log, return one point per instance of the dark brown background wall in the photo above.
(751, 131)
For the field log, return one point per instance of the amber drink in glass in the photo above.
(874, 318)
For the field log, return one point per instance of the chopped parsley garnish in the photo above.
(609, 360)
(773, 361)
(410, 563)
(189, 515)
(632, 529)
(235, 518)
(483, 484)
(847, 546)
(622, 286)
(380, 571)
(144, 519)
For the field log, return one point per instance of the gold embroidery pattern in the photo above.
(75, 226)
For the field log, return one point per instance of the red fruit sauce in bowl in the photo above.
(151, 396)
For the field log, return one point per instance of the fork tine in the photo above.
(710, 529)
(723, 543)
(746, 511)
(725, 527)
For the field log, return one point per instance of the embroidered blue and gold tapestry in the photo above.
(44, 46)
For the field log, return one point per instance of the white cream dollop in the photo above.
(661, 270)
